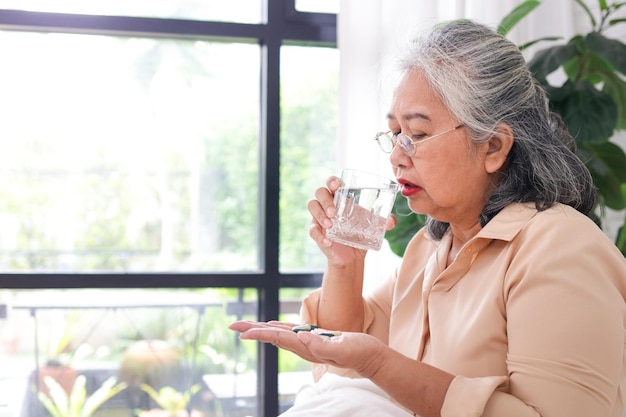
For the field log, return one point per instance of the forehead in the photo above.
(415, 99)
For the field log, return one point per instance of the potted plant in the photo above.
(591, 101)
(58, 366)
(173, 403)
(77, 403)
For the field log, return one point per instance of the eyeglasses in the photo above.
(388, 141)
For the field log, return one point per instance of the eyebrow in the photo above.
(411, 116)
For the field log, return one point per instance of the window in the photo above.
(239, 11)
(156, 162)
(130, 165)
(319, 6)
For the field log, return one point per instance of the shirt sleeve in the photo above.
(471, 397)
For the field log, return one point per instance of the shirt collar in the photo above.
(508, 223)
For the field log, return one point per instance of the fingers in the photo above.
(269, 332)
(275, 331)
(245, 325)
(275, 336)
(309, 342)
(320, 216)
(322, 208)
(281, 325)
(279, 336)
(391, 221)
(333, 183)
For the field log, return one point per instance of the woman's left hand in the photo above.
(358, 351)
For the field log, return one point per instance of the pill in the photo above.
(326, 333)
(304, 328)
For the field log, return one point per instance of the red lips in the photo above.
(408, 189)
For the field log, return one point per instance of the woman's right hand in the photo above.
(322, 209)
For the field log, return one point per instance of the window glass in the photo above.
(161, 338)
(240, 11)
(128, 154)
(309, 103)
(317, 6)
(294, 372)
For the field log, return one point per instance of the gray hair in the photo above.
(483, 80)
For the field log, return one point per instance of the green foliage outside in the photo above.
(77, 404)
(118, 215)
(169, 399)
(309, 101)
(183, 192)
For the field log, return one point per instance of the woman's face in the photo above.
(447, 177)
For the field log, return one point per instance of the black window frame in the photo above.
(283, 25)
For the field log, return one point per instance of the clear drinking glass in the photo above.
(363, 202)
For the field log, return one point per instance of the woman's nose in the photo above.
(398, 158)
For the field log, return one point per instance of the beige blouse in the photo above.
(530, 316)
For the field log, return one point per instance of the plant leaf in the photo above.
(107, 390)
(615, 87)
(49, 404)
(611, 50)
(574, 101)
(609, 192)
(57, 394)
(150, 391)
(171, 400)
(607, 163)
(408, 223)
(545, 38)
(582, 4)
(592, 69)
(546, 61)
(612, 158)
(517, 14)
(77, 397)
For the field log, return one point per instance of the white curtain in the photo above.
(370, 32)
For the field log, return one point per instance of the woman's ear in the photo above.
(498, 148)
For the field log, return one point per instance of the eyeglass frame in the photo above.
(411, 142)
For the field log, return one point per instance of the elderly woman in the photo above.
(511, 301)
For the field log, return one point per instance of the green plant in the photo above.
(61, 334)
(169, 399)
(591, 102)
(77, 404)
(408, 223)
